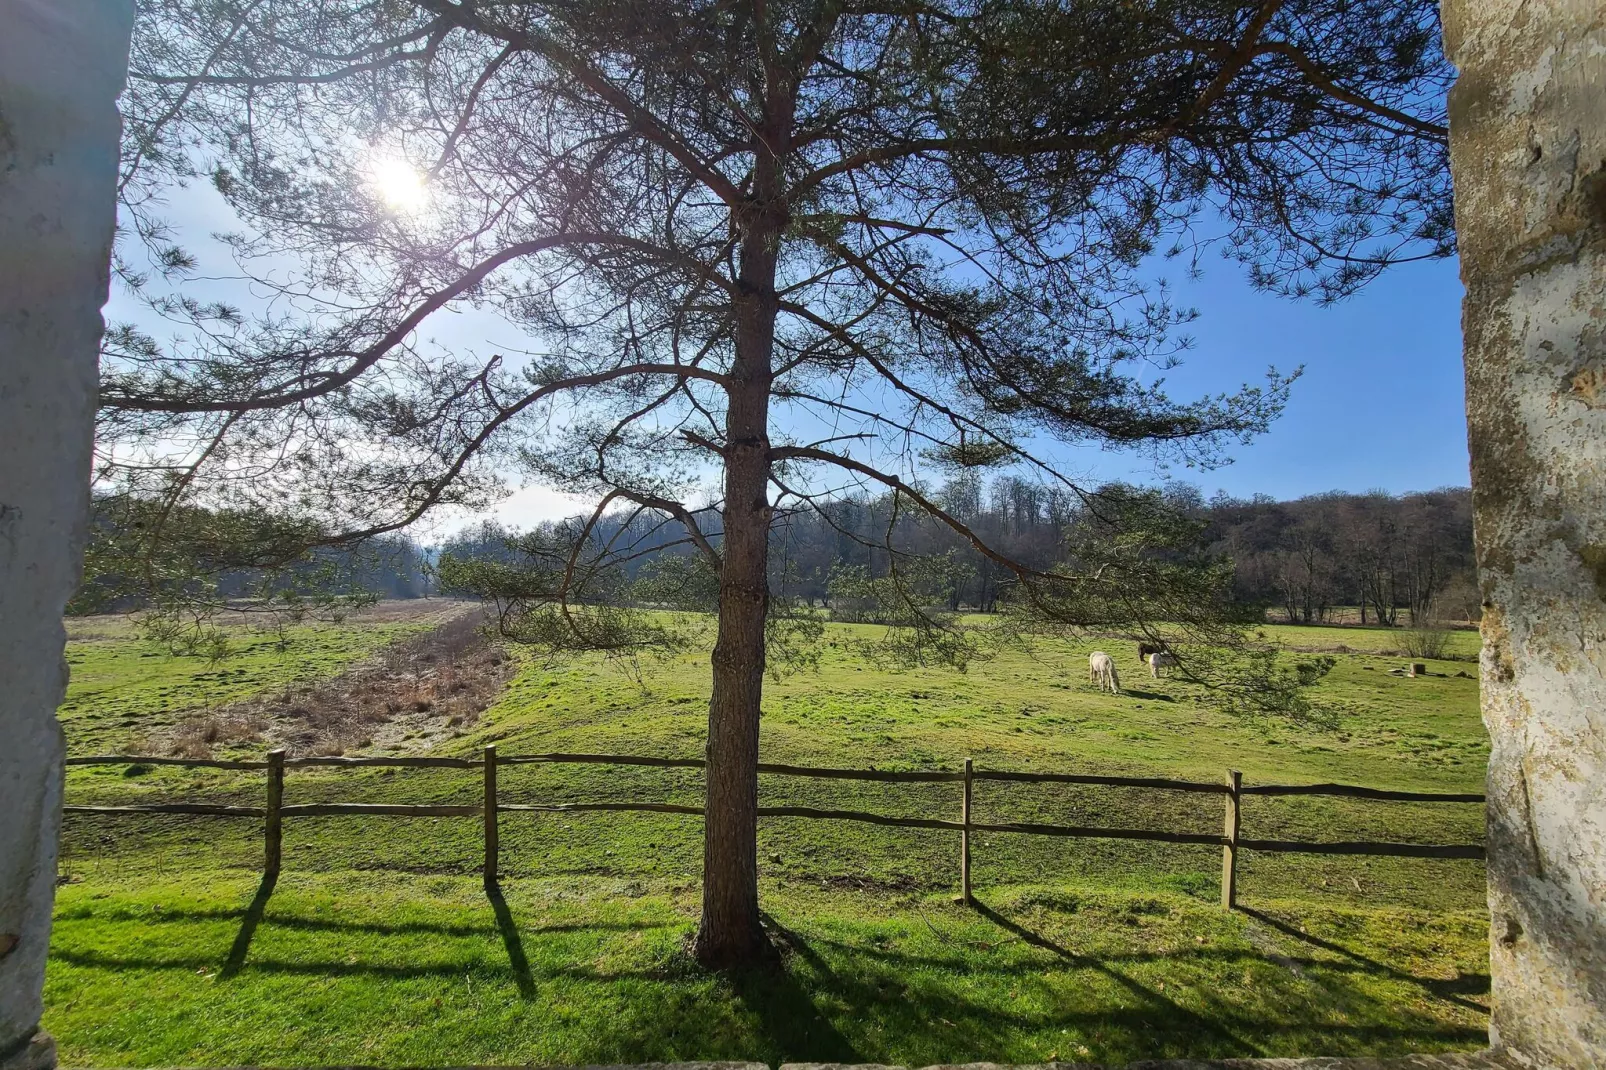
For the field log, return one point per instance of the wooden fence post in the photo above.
(1229, 853)
(273, 826)
(492, 841)
(964, 841)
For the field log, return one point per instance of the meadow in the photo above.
(379, 943)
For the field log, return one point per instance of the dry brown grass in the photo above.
(414, 692)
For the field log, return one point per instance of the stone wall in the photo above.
(1528, 144)
(61, 68)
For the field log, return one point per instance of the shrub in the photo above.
(1427, 640)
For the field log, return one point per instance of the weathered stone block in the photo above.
(62, 65)
(1528, 156)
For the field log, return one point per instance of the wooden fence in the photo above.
(1230, 840)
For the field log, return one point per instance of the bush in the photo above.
(1427, 640)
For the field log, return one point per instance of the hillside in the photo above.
(163, 957)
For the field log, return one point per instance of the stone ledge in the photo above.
(1475, 1060)
(38, 1052)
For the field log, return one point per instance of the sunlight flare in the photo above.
(397, 184)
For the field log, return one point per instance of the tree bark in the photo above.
(730, 933)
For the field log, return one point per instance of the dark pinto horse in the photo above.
(1145, 649)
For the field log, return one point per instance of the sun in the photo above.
(397, 184)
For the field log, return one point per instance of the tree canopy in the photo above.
(749, 255)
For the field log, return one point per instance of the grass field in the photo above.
(379, 944)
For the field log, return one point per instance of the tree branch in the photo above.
(313, 384)
(784, 453)
(644, 122)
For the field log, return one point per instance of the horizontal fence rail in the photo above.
(490, 807)
(204, 809)
(129, 759)
(1353, 792)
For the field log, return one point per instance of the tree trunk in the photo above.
(730, 933)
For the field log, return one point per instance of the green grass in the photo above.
(379, 945)
(122, 687)
(366, 969)
(1462, 644)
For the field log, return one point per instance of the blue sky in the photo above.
(1380, 406)
(1381, 403)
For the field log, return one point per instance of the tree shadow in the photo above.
(786, 1013)
(517, 960)
(1450, 991)
(248, 927)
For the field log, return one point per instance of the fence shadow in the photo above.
(518, 961)
(248, 927)
(1163, 1006)
(1449, 991)
(846, 998)
(509, 930)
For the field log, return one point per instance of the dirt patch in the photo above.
(413, 609)
(411, 695)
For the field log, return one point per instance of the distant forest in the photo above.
(1369, 558)
(387, 567)
(1329, 558)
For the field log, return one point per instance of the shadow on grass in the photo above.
(837, 1001)
(332, 968)
(252, 916)
(1450, 991)
(1147, 696)
(786, 1013)
(1164, 1008)
(248, 927)
(281, 920)
(516, 958)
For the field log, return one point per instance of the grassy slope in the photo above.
(123, 687)
(1098, 948)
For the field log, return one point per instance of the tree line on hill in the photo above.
(1372, 558)
(1326, 558)
(1384, 559)
(145, 555)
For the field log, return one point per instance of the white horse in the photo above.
(1101, 671)
(1160, 660)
